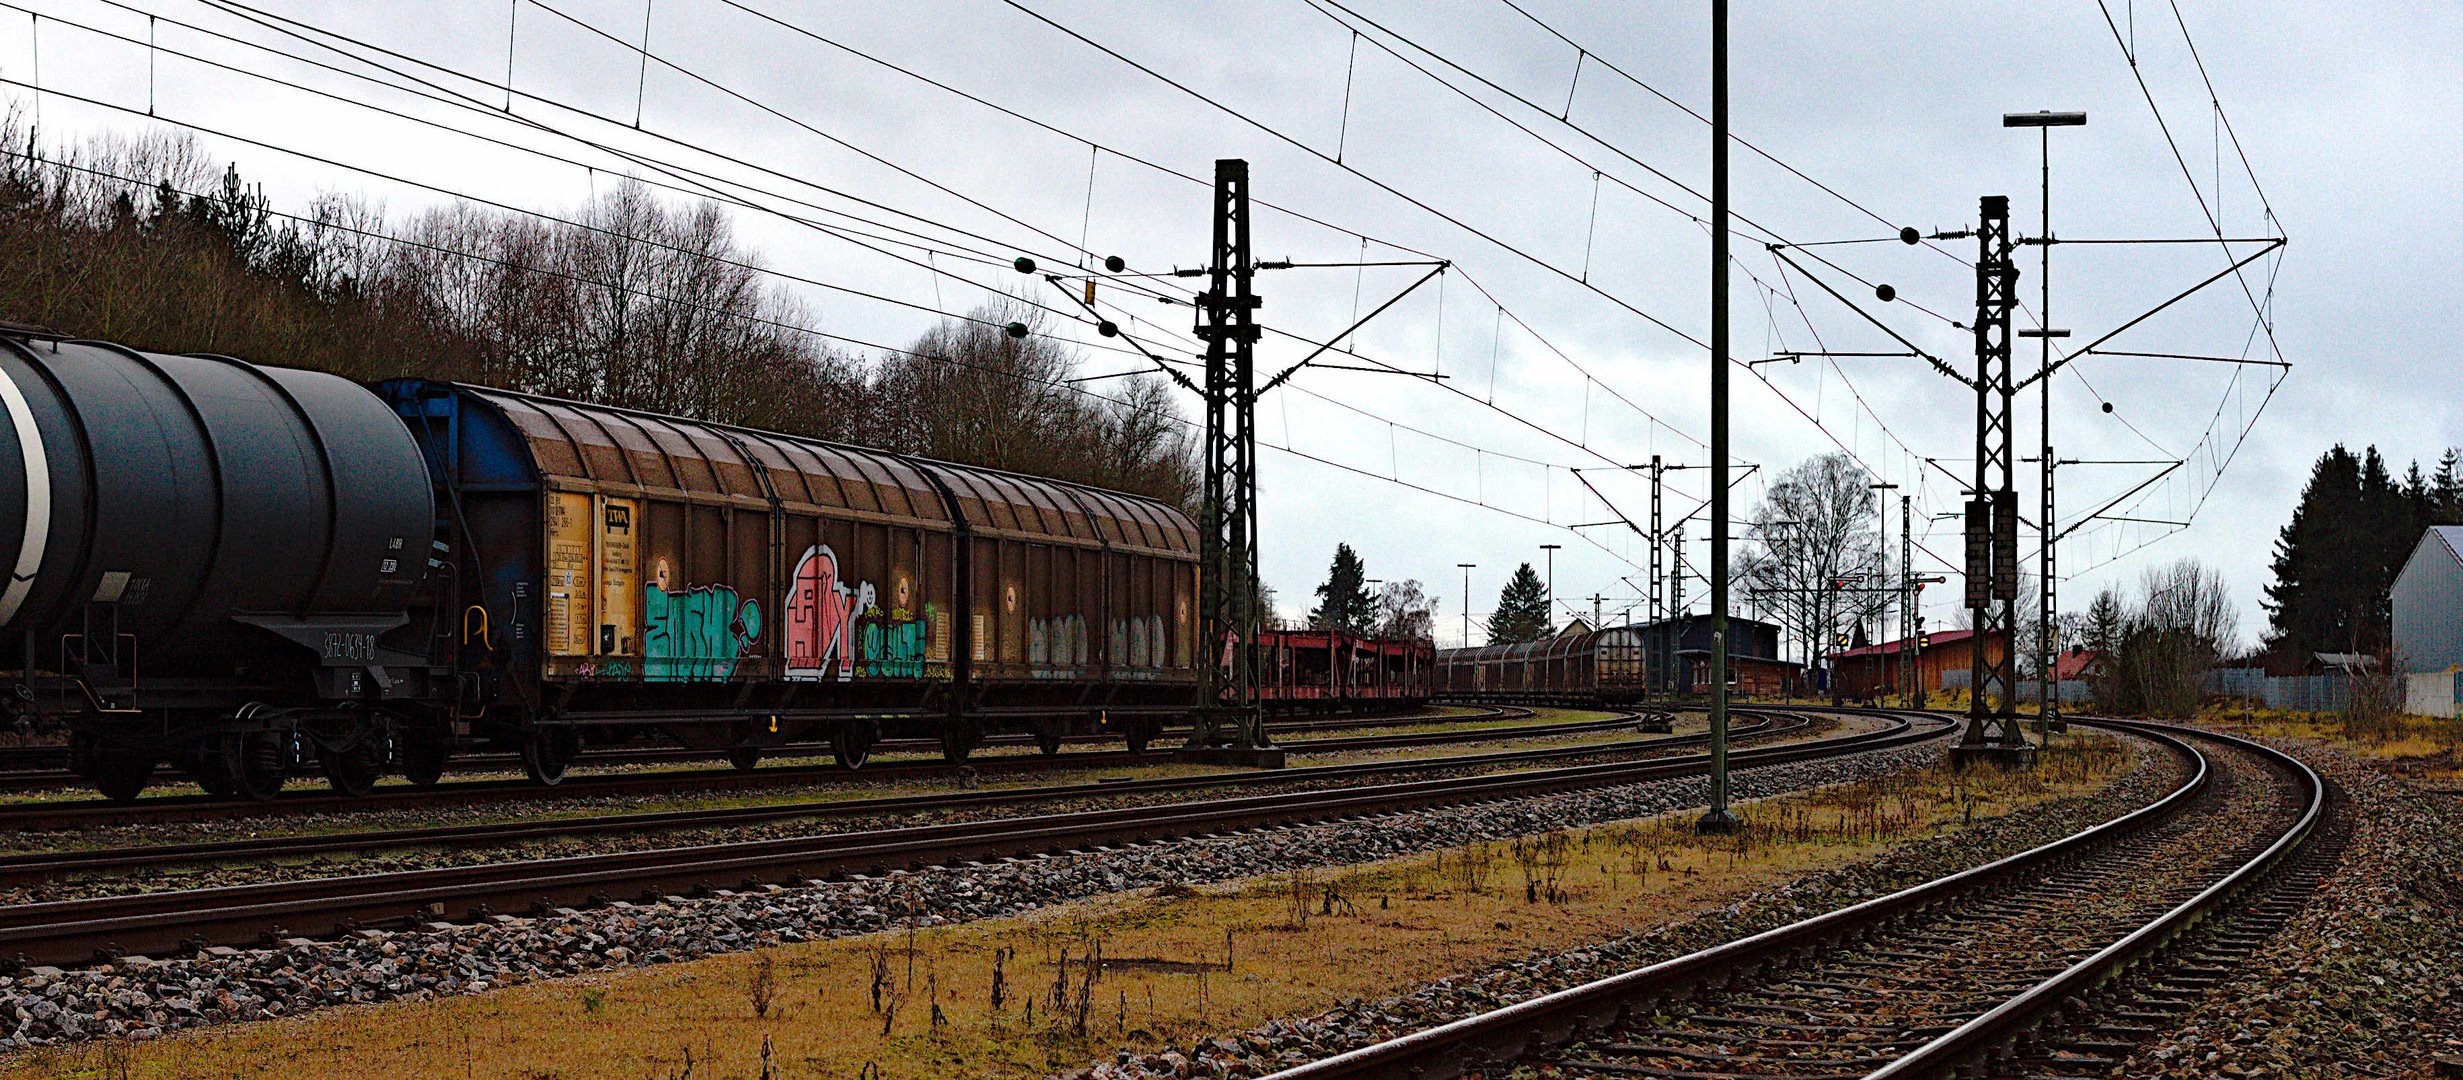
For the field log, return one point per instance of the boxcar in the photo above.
(618, 572)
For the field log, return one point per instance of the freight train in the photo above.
(1617, 665)
(248, 573)
(1322, 671)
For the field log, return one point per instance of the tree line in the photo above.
(628, 300)
(1400, 611)
(2336, 560)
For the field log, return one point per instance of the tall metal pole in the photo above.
(2047, 650)
(1658, 630)
(1718, 818)
(1227, 545)
(1881, 650)
(1907, 560)
(1551, 549)
(1466, 602)
(1992, 508)
(2047, 646)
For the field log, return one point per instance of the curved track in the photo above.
(2013, 966)
(77, 931)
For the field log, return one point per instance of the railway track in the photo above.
(36, 768)
(34, 867)
(176, 808)
(2052, 962)
(78, 931)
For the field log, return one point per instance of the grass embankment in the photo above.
(1144, 970)
(2417, 748)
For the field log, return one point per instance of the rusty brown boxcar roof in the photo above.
(655, 453)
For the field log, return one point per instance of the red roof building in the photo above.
(1874, 669)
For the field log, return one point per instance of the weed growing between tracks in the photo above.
(1138, 971)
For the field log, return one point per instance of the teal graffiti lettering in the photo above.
(696, 635)
(895, 648)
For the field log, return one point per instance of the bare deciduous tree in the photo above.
(1817, 567)
(639, 302)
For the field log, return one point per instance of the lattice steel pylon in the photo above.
(1992, 508)
(1657, 671)
(1227, 713)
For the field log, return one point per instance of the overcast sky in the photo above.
(2345, 113)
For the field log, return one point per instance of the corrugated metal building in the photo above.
(2428, 602)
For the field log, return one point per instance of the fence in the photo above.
(2300, 693)
(2067, 691)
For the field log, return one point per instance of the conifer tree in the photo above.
(1343, 603)
(1522, 610)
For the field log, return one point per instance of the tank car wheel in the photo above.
(354, 771)
(263, 767)
(546, 754)
(958, 740)
(121, 774)
(851, 748)
(744, 758)
(423, 760)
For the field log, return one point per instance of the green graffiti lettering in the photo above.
(696, 635)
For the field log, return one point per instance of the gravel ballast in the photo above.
(2367, 979)
(144, 999)
(1286, 1042)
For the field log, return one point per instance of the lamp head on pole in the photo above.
(2043, 119)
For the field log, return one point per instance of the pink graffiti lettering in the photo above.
(820, 608)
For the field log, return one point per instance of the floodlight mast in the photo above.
(2047, 646)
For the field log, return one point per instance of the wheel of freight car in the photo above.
(744, 758)
(548, 751)
(423, 759)
(353, 771)
(1048, 741)
(851, 747)
(215, 766)
(121, 774)
(1140, 736)
(958, 740)
(264, 764)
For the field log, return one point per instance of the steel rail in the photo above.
(50, 865)
(75, 931)
(1997, 1033)
(1506, 1034)
(202, 807)
(36, 767)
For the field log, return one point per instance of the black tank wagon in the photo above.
(246, 573)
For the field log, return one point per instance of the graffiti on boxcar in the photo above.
(696, 633)
(820, 608)
(1138, 642)
(836, 629)
(895, 646)
(1057, 642)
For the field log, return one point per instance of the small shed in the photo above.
(2428, 602)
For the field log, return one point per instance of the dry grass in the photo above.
(2415, 747)
(1143, 970)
